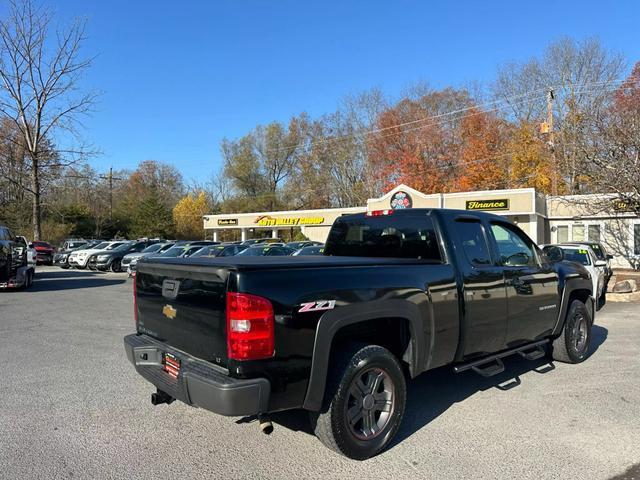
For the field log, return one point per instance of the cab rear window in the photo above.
(395, 236)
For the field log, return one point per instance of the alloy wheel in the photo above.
(370, 403)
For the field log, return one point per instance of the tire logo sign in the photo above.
(401, 200)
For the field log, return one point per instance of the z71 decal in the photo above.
(317, 306)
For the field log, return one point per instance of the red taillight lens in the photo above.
(249, 327)
(135, 300)
(379, 213)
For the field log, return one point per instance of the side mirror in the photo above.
(600, 263)
(30, 245)
(554, 254)
(609, 257)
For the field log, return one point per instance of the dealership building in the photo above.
(546, 219)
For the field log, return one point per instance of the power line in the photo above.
(478, 107)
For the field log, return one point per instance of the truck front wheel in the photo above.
(364, 402)
(572, 346)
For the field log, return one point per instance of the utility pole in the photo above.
(110, 194)
(552, 145)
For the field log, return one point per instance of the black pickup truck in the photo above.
(396, 293)
(15, 270)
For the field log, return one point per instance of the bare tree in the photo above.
(614, 149)
(39, 90)
(583, 75)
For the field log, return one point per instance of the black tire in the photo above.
(64, 267)
(572, 346)
(374, 373)
(116, 266)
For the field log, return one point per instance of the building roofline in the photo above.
(490, 192)
(287, 212)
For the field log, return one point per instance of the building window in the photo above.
(562, 234)
(578, 233)
(636, 239)
(594, 233)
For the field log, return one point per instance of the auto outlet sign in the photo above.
(269, 221)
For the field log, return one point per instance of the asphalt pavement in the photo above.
(71, 406)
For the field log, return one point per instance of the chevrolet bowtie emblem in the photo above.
(169, 312)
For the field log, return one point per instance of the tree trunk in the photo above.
(37, 210)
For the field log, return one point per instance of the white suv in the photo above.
(80, 258)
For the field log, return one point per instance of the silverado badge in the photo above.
(169, 312)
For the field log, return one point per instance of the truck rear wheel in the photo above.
(572, 346)
(364, 402)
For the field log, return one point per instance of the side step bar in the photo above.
(492, 365)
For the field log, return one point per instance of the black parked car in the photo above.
(130, 260)
(112, 259)
(267, 251)
(61, 258)
(303, 244)
(219, 251)
(311, 250)
(258, 241)
(180, 251)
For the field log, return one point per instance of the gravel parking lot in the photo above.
(73, 407)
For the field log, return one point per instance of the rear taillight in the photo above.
(250, 322)
(135, 300)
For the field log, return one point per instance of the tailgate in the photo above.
(184, 307)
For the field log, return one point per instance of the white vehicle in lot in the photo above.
(585, 256)
(31, 252)
(80, 258)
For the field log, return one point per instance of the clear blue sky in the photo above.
(178, 76)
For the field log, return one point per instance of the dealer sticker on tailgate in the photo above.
(171, 365)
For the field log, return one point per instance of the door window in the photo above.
(473, 242)
(514, 248)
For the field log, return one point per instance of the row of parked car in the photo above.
(121, 255)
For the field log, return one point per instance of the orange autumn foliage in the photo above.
(483, 164)
(410, 147)
(530, 160)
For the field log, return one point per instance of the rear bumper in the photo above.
(44, 257)
(199, 383)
